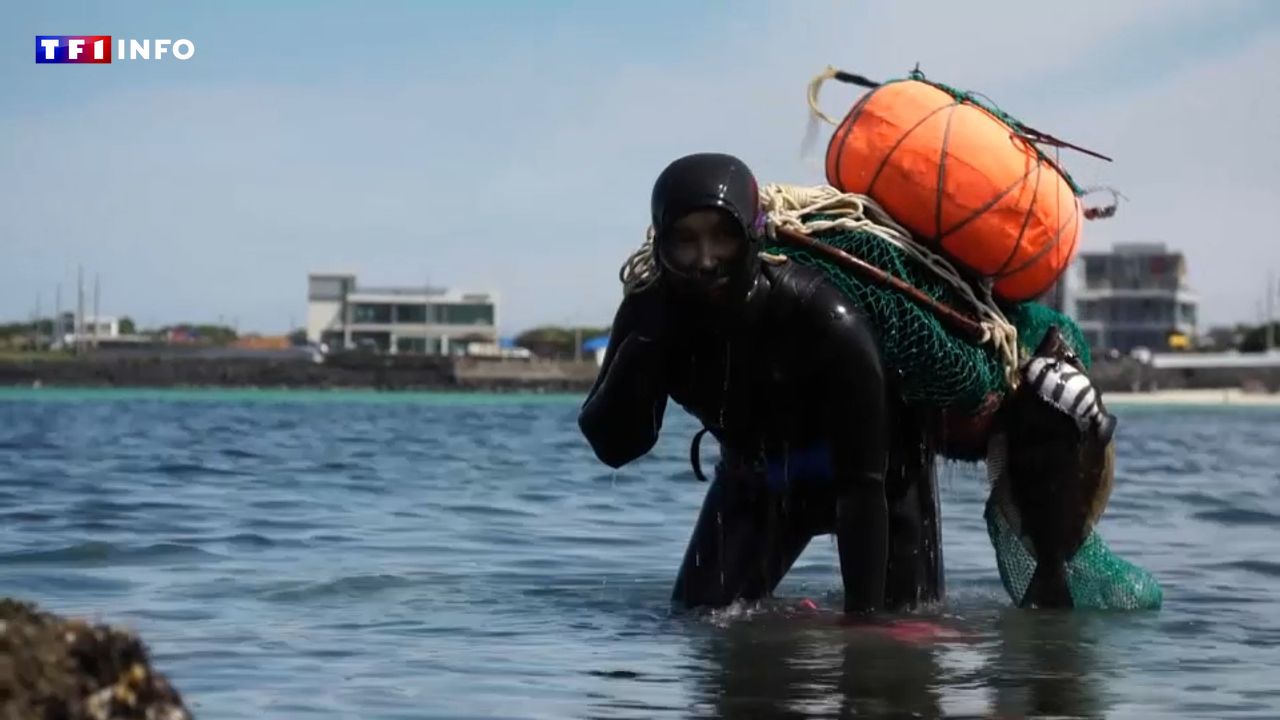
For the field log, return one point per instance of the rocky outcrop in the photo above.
(68, 669)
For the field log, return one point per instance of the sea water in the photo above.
(373, 555)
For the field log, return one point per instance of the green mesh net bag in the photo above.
(1097, 578)
(937, 367)
(1033, 321)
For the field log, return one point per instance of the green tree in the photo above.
(127, 326)
(43, 326)
(555, 342)
(1255, 338)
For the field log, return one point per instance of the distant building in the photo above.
(1220, 339)
(505, 348)
(262, 342)
(102, 327)
(419, 320)
(1134, 296)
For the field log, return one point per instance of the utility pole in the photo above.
(1271, 294)
(57, 314)
(96, 313)
(79, 307)
(35, 339)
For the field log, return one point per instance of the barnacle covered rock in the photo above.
(65, 668)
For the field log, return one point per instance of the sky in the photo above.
(512, 146)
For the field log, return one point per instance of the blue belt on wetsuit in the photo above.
(811, 464)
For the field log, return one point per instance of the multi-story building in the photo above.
(1135, 296)
(422, 320)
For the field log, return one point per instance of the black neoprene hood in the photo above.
(706, 180)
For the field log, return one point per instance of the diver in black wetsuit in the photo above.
(786, 374)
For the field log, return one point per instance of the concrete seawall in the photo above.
(299, 370)
(1129, 376)
(553, 375)
(380, 372)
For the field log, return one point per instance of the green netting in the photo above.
(1033, 320)
(1096, 577)
(936, 367)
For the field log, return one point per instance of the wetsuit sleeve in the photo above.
(623, 412)
(857, 415)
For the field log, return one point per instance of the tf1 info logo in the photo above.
(96, 49)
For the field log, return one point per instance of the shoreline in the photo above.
(271, 371)
(264, 375)
(286, 395)
(1215, 397)
(1197, 397)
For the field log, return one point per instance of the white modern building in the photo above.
(91, 328)
(1134, 296)
(419, 320)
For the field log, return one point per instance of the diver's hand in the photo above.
(622, 416)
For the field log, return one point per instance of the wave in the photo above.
(350, 586)
(103, 553)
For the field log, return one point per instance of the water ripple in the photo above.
(107, 554)
(325, 555)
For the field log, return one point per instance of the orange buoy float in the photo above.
(963, 177)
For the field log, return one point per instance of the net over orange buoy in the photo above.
(964, 178)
